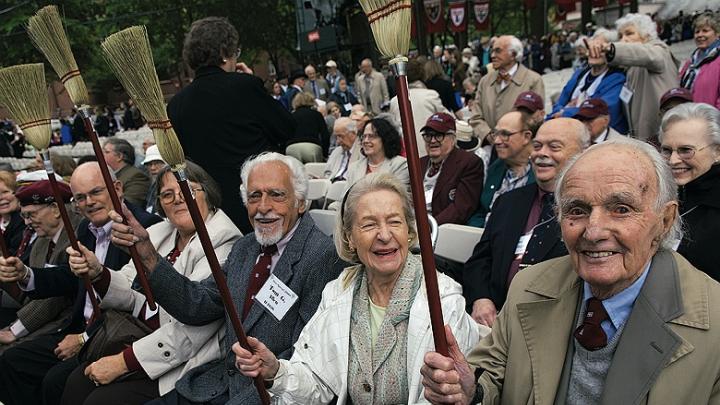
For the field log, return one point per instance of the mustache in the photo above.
(543, 160)
(266, 216)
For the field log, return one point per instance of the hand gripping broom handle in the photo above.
(423, 224)
(218, 275)
(68, 226)
(11, 288)
(90, 131)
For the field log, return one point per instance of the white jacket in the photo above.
(424, 102)
(174, 348)
(317, 371)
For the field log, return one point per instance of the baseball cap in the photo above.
(592, 108)
(679, 93)
(330, 63)
(530, 100)
(440, 122)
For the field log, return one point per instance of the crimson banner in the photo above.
(434, 16)
(482, 14)
(457, 16)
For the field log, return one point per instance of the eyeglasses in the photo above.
(94, 193)
(168, 196)
(369, 136)
(32, 214)
(274, 194)
(504, 135)
(683, 152)
(429, 135)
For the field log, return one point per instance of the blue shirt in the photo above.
(619, 305)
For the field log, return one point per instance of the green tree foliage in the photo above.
(264, 25)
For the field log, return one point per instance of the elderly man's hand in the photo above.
(12, 269)
(484, 312)
(7, 337)
(262, 362)
(597, 48)
(133, 234)
(107, 369)
(83, 262)
(448, 380)
(68, 347)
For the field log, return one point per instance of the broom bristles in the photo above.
(47, 33)
(23, 93)
(390, 24)
(130, 57)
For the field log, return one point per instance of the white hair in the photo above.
(516, 47)
(667, 189)
(689, 111)
(608, 35)
(642, 23)
(580, 42)
(297, 171)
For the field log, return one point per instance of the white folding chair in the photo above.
(315, 170)
(456, 242)
(335, 192)
(317, 188)
(324, 220)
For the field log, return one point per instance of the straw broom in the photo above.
(390, 24)
(24, 94)
(47, 33)
(129, 55)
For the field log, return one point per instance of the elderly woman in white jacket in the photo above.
(366, 342)
(159, 359)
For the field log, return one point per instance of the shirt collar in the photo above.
(57, 235)
(513, 70)
(286, 239)
(620, 305)
(602, 138)
(106, 229)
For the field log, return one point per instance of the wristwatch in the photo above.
(479, 394)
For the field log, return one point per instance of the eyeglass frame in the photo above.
(692, 151)
(280, 197)
(505, 137)
(193, 190)
(30, 215)
(428, 135)
(81, 198)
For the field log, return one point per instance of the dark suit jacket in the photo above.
(308, 262)
(62, 282)
(310, 126)
(222, 119)
(14, 232)
(135, 184)
(486, 272)
(458, 187)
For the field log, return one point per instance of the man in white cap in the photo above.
(333, 75)
(154, 163)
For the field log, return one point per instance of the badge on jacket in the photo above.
(451, 194)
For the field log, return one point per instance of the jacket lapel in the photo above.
(647, 344)
(548, 320)
(515, 223)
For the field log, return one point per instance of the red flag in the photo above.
(482, 14)
(434, 16)
(457, 16)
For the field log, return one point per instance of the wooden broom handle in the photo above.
(11, 288)
(421, 216)
(90, 131)
(219, 276)
(69, 230)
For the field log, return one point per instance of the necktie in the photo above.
(259, 275)
(502, 77)
(27, 235)
(434, 168)
(343, 167)
(315, 89)
(590, 334)
(51, 247)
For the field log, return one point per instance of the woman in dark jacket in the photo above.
(435, 80)
(12, 224)
(344, 97)
(690, 141)
(311, 139)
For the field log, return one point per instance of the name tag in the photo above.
(276, 298)
(522, 245)
(322, 91)
(347, 107)
(626, 94)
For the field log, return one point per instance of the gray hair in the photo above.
(689, 111)
(347, 123)
(297, 170)
(608, 35)
(643, 24)
(196, 174)
(515, 46)
(346, 217)
(124, 148)
(667, 189)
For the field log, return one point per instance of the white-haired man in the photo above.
(286, 251)
(497, 91)
(336, 168)
(621, 320)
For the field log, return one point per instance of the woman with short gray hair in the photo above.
(701, 73)
(690, 142)
(366, 342)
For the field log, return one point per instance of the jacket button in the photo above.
(160, 344)
(367, 387)
(305, 346)
(166, 354)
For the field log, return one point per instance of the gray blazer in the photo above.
(308, 262)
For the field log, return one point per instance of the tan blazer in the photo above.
(652, 70)
(493, 103)
(378, 91)
(667, 354)
(424, 102)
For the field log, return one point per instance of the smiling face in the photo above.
(43, 218)
(372, 144)
(517, 140)
(630, 34)
(438, 150)
(690, 134)
(555, 143)
(501, 56)
(177, 210)
(8, 202)
(609, 221)
(271, 203)
(380, 233)
(90, 194)
(704, 36)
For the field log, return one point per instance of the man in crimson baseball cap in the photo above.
(439, 122)
(595, 114)
(532, 103)
(673, 98)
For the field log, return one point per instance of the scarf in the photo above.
(699, 58)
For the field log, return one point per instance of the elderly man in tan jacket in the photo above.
(498, 90)
(621, 320)
(371, 87)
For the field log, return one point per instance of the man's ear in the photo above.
(118, 189)
(669, 215)
(302, 205)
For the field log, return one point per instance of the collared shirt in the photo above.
(510, 72)
(619, 305)
(281, 247)
(102, 244)
(602, 138)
